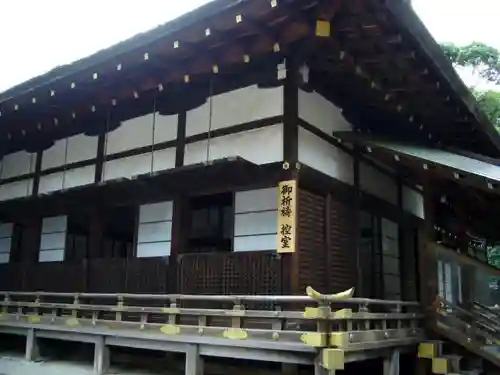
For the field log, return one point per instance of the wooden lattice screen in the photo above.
(231, 273)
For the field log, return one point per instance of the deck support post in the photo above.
(391, 363)
(101, 357)
(32, 348)
(194, 362)
(320, 370)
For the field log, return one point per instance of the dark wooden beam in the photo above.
(291, 114)
(37, 172)
(356, 222)
(101, 155)
(181, 139)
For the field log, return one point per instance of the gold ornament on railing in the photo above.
(349, 293)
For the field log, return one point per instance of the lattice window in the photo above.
(155, 230)
(53, 239)
(6, 233)
(255, 220)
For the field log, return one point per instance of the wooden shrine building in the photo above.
(248, 147)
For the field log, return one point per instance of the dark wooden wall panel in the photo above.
(408, 251)
(312, 254)
(107, 275)
(342, 270)
(230, 273)
(326, 243)
(148, 275)
(11, 277)
(57, 277)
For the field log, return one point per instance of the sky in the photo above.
(36, 36)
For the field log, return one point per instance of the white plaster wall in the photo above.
(377, 183)
(413, 202)
(260, 146)
(139, 164)
(67, 179)
(324, 157)
(255, 221)
(240, 106)
(16, 189)
(81, 147)
(127, 167)
(321, 113)
(164, 159)
(138, 132)
(53, 239)
(70, 150)
(17, 164)
(6, 230)
(79, 177)
(51, 182)
(155, 230)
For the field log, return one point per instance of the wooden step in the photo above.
(446, 364)
(430, 349)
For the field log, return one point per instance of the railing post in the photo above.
(119, 308)
(6, 300)
(76, 302)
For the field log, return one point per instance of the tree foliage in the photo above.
(489, 102)
(485, 62)
(483, 59)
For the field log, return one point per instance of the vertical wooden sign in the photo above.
(287, 216)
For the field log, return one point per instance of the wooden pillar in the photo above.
(427, 258)
(96, 233)
(30, 248)
(328, 243)
(32, 349)
(37, 172)
(194, 362)
(455, 280)
(181, 139)
(468, 284)
(468, 272)
(356, 233)
(180, 225)
(30, 242)
(102, 357)
(94, 245)
(291, 158)
(99, 166)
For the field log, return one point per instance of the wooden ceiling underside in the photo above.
(370, 64)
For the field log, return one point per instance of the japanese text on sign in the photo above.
(287, 206)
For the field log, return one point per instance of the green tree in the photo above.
(489, 102)
(483, 59)
(485, 62)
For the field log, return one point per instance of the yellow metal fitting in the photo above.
(333, 359)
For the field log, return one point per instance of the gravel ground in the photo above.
(12, 365)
